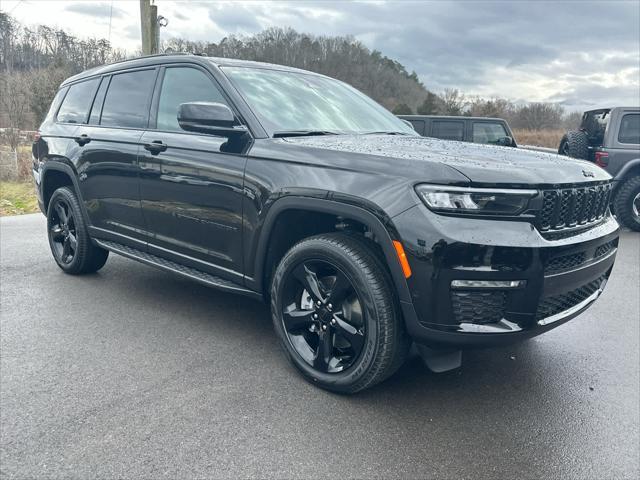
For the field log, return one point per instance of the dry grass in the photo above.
(17, 198)
(539, 138)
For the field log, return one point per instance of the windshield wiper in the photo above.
(383, 132)
(302, 133)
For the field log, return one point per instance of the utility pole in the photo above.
(149, 27)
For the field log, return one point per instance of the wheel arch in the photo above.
(378, 224)
(630, 168)
(56, 174)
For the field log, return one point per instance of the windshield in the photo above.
(291, 101)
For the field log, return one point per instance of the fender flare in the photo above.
(620, 176)
(66, 168)
(382, 228)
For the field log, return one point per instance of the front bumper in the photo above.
(558, 280)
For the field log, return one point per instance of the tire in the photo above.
(365, 334)
(69, 239)
(575, 144)
(627, 203)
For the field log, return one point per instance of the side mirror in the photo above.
(209, 117)
(505, 141)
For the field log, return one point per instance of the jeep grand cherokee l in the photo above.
(297, 189)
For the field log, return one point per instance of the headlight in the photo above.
(480, 201)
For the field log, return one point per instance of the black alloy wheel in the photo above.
(323, 316)
(71, 246)
(335, 312)
(62, 231)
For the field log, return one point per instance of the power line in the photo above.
(110, 17)
(15, 6)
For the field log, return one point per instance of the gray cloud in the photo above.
(95, 9)
(240, 19)
(571, 52)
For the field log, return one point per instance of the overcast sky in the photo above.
(578, 53)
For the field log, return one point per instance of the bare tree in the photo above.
(432, 105)
(43, 85)
(14, 103)
(453, 102)
(539, 116)
(572, 120)
(493, 107)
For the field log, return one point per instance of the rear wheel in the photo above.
(627, 204)
(575, 144)
(335, 314)
(68, 237)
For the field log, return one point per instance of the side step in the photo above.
(173, 267)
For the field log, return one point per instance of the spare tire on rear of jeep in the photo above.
(575, 144)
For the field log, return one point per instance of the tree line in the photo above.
(35, 60)
(528, 116)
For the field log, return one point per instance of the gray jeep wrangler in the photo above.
(610, 137)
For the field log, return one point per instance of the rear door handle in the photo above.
(155, 147)
(82, 140)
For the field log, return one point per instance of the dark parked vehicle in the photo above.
(493, 131)
(297, 189)
(610, 137)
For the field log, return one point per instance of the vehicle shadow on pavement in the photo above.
(247, 324)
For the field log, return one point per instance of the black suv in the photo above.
(297, 189)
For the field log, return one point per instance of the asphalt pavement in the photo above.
(135, 373)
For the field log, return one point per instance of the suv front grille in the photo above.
(553, 305)
(573, 207)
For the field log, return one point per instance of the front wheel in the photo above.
(68, 237)
(627, 204)
(335, 314)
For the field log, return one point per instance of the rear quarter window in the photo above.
(76, 104)
(55, 105)
(630, 129)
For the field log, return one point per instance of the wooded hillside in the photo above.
(35, 60)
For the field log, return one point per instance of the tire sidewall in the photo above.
(325, 251)
(69, 198)
(578, 144)
(624, 203)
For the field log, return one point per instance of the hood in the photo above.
(481, 164)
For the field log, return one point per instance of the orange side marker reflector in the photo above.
(402, 258)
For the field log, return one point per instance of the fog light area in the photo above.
(488, 283)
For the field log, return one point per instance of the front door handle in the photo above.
(82, 140)
(155, 147)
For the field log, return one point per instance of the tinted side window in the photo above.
(447, 129)
(75, 106)
(630, 129)
(55, 104)
(181, 85)
(488, 132)
(127, 101)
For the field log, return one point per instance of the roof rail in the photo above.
(147, 56)
(92, 71)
